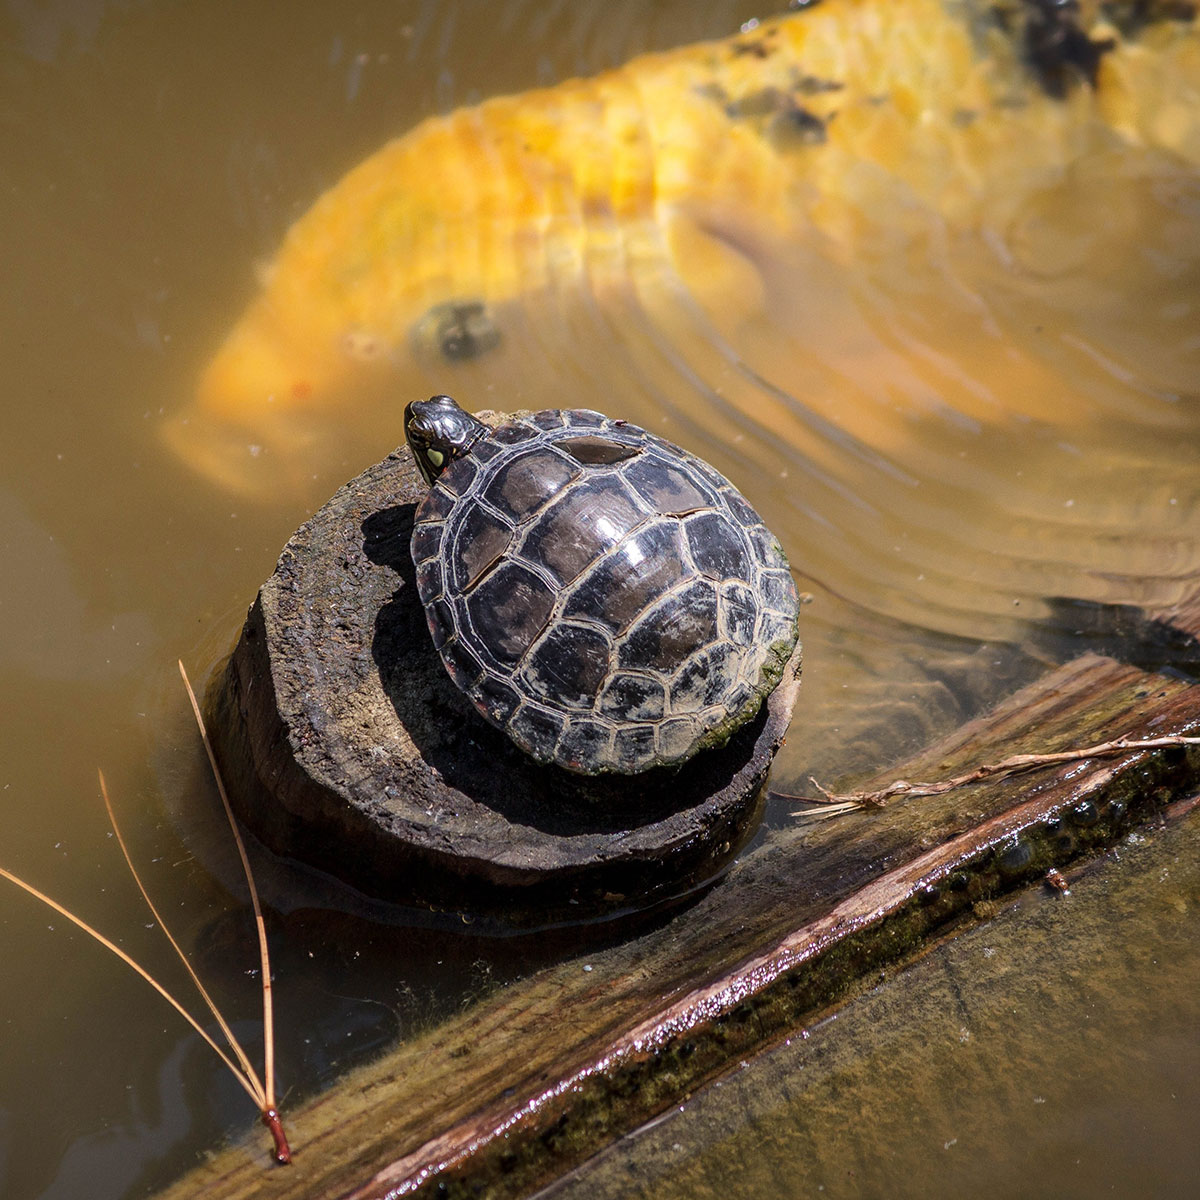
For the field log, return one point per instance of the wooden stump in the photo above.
(345, 745)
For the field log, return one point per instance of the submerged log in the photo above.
(489, 1102)
(922, 1085)
(345, 745)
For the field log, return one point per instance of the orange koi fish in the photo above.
(715, 221)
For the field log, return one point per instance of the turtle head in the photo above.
(439, 431)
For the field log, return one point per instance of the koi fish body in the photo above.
(721, 214)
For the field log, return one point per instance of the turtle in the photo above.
(605, 598)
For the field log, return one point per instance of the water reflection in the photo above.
(968, 383)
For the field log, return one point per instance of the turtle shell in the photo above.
(607, 599)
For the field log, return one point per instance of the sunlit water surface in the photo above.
(151, 155)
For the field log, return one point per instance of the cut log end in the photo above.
(345, 745)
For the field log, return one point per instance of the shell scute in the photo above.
(676, 738)
(438, 503)
(718, 547)
(486, 449)
(741, 510)
(593, 451)
(580, 418)
(672, 629)
(690, 687)
(426, 541)
(739, 614)
(634, 697)
(668, 489)
(458, 482)
(508, 610)
(439, 616)
(528, 481)
(480, 541)
(496, 699)
(633, 744)
(737, 699)
(582, 525)
(626, 581)
(511, 434)
(569, 666)
(463, 664)
(778, 591)
(584, 741)
(429, 578)
(536, 730)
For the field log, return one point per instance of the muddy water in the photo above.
(1036, 378)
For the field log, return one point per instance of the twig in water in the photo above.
(270, 1110)
(262, 1093)
(1017, 763)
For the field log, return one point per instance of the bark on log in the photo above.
(345, 745)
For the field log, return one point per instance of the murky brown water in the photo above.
(968, 414)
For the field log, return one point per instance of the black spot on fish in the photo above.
(1054, 42)
(457, 331)
(797, 126)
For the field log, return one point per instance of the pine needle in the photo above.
(262, 1092)
(113, 948)
(259, 1093)
(270, 1111)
